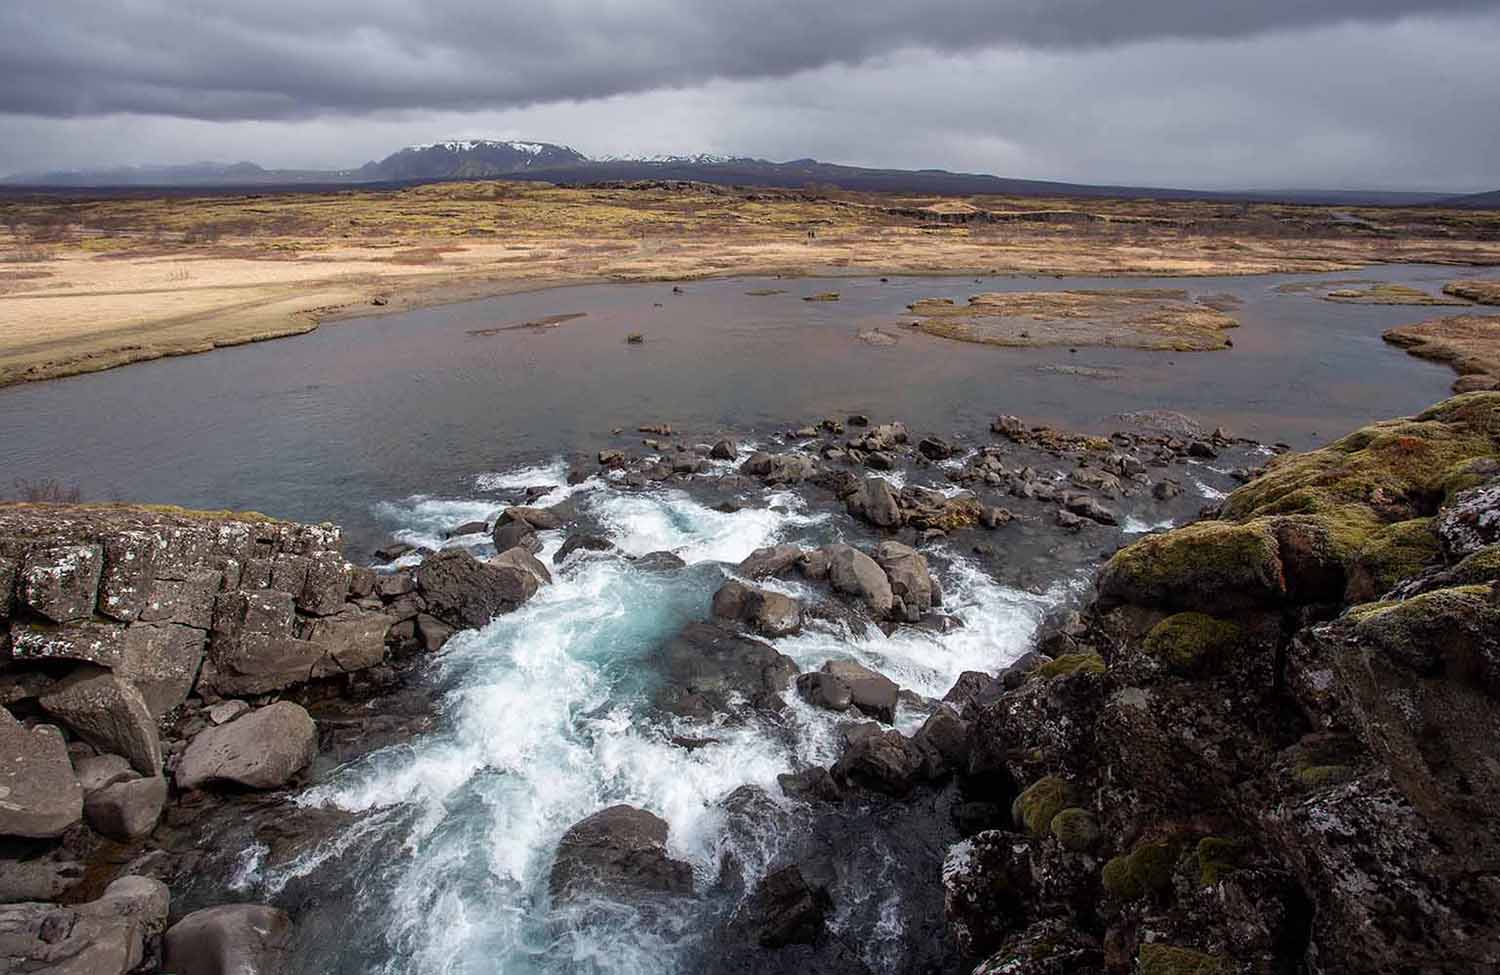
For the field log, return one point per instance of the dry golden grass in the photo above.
(1468, 343)
(89, 283)
(1140, 318)
(1483, 292)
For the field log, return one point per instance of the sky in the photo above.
(1213, 94)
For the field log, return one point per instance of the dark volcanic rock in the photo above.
(261, 750)
(617, 851)
(703, 667)
(786, 909)
(231, 939)
(465, 593)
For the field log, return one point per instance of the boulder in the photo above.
(108, 712)
(521, 558)
(875, 503)
(351, 640)
(658, 562)
(261, 750)
(854, 573)
(465, 593)
(581, 541)
(44, 879)
(127, 810)
(617, 851)
(97, 771)
(231, 939)
(724, 450)
(516, 534)
(162, 660)
(541, 519)
(785, 909)
(730, 600)
(433, 632)
(768, 613)
(102, 937)
(810, 784)
(1471, 521)
(39, 795)
(770, 561)
(873, 693)
(909, 575)
(881, 761)
(1212, 567)
(704, 668)
(935, 448)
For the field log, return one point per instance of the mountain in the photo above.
(1482, 201)
(470, 159)
(545, 161)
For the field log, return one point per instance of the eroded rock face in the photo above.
(619, 851)
(39, 795)
(261, 750)
(109, 713)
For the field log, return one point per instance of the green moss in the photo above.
(1209, 566)
(1480, 568)
(1076, 829)
(1144, 871)
(1394, 552)
(1159, 959)
(1318, 776)
(1217, 856)
(1189, 643)
(1071, 663)
(1444, 631)
(1043, 799)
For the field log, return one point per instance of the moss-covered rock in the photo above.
(1144, 871)
(1160, 959)
(1313, 777)
(1034, 808)
(1217, 856)
(1390, 553)
(1211, 567)
(1191, 643)
(1084, 662)
(1454, 631)
(1076, 829)
(1479, 568)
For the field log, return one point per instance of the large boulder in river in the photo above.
(705, 667)
(854, 573)
(464, 592)
(261, 750)
(126, 810)
(881, 761)
(108, 713)
(876, 503)
(39, 796)
(231, 939)
(618, 851)
(773, 560)
(909, 575)
(768, 613)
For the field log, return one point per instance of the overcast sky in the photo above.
(1196, 93)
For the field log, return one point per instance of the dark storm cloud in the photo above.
(272, 59)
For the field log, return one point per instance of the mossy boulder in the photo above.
(1076, 829)
(1390, 553)
(1210, 567)
(1083, 662)
(1479, 568)
(1144, 871)
(1192, 643)
(1034, 808)
(1160, 959)
(1453, 632)
(1312, 777)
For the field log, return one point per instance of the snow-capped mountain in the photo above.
(470, 159)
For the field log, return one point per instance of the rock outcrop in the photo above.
(619, 851)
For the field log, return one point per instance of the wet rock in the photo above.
(231, 939)
(658, 562)
(467, 528)
(617, 851)
(261, 750)
(909, 576)
(779, 468)
(39, 796)
(813, 784)
(993, 517)
(987, 887)
(520, 558)
(785, 909)
(944, 740)
(724, 450)
(1166, 490)
(516, 534)
(466, 593)
(854, 573)
(775, 560)
(872, 693)
(730, 600)
(393, 551)
(881, 761)
(875, 503)
(128, 810)
(825, 691)
(584, 542)
(1471, 522)
(1090, 508)
(705, 667)
(768, 613)
(432, 632)
(108, 713)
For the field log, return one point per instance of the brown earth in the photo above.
(88, 283)
(1163, 319)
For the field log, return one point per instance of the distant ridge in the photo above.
(473, 159)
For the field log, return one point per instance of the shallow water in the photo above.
(323, 425)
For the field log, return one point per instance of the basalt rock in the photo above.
(39, 795)
(231, 939)
(705, 668)
(108, 936)
(619, 851)
(466, 593)
(261, 750)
